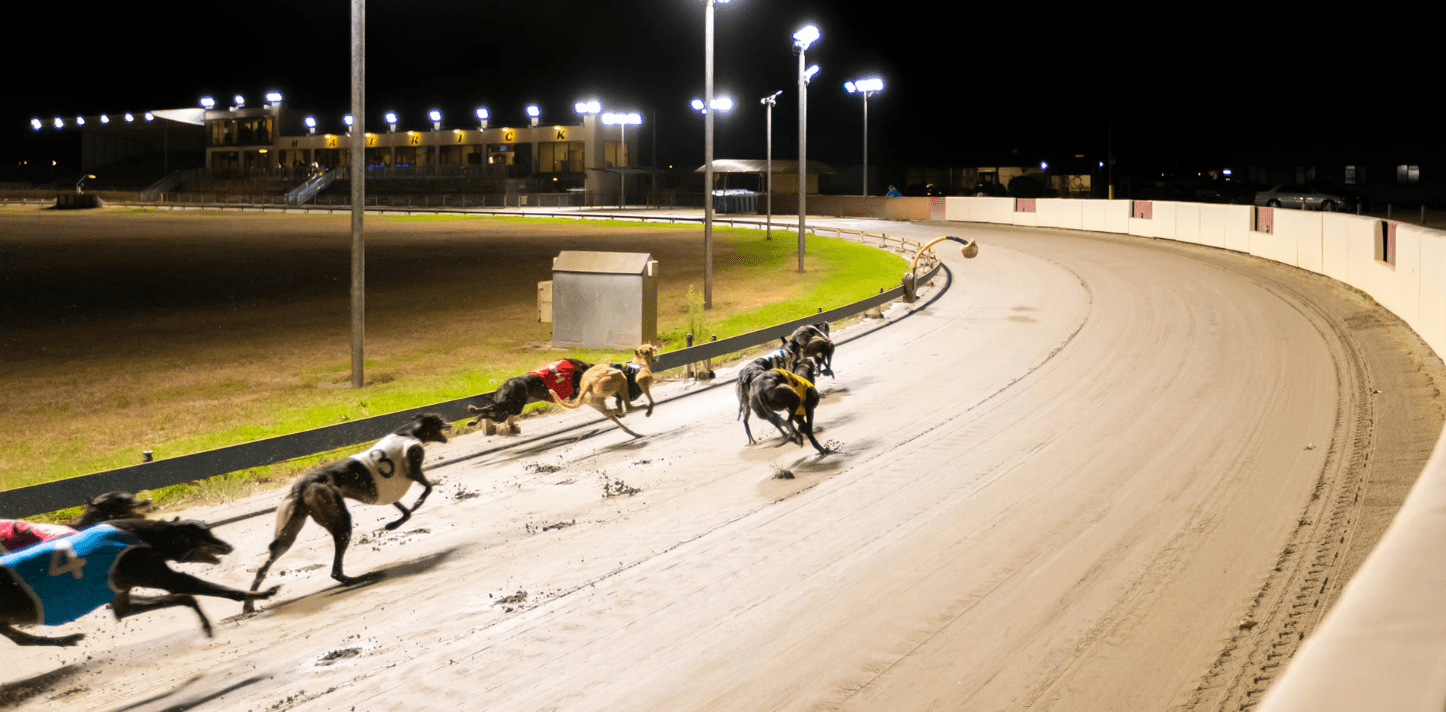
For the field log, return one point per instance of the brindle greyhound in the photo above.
(62, 579)
(380, 475)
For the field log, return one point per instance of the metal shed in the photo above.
(604, 299)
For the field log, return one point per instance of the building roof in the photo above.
(601, 262)
(758, 165)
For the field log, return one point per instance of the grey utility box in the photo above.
(604, 300)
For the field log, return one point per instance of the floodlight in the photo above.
(104, 119)
(697, 105)
(435, 115)
(805, 37)
(348, 120)
(611, 119)
(59, 123)
(80, 121)
(533, 111)
(864, 85)
(130, 118)
(239, 100)
(150, 116)
(1043, 166)
(273, 97)
(310, 122)
(587, 107)
(208, 102)
(808, 73)
(35, 124)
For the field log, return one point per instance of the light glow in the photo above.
(208, 102)
(482, 114)
(533, 111)
(239, 100)
(435, 115)
(274, 97)
(808, 73)
(587, 107)
(349, 120)
(806, 36)
(130, 118)
(391, 117)
(632, 119)
(864, 85)
(310, 122)
(104, 119)
(35, 124)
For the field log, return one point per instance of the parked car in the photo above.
(1299, 195)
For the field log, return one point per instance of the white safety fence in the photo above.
(1383, 645)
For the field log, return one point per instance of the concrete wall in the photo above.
(1383, 645)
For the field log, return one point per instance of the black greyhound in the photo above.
(18, 534)
(380, 475)
(790, 391)
(813, 340)
(782, 357)
(62, 579)
(517, 392)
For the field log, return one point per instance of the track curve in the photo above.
(1063, 485)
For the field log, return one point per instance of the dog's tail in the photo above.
(286, 510)
(571, 404)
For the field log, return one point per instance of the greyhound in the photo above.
(380, 475)
(777, 389)
(60, 580)
(507, 402)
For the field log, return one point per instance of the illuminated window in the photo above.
(1408, 175)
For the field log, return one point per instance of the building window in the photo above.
(1351, 175)
(610, 154)
(1408, 175)
(560, 157)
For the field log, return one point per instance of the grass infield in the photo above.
(127, 330)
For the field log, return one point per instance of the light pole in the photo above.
(865, 87)
(708, 153)
(358, 192)
(801, 40)
(769, 101)
(622, 121)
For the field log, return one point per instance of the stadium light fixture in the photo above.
(482, 119)
(239, 101)
(391, 118)
(80, 121)
(534, 114)
(588, 108)
(150, 116)
(310, 122)
(273, 97)
(130, 118)
(865, 87)
(104, 119)
(802, 39)
(35, 124)
(208, 102)
(59, 123)
(769, 101)
(436, 117)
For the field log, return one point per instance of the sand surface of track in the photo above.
(1062, 485)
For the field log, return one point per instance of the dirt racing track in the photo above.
(1096, 473)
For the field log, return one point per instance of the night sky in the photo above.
(1175, 85)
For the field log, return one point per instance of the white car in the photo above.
(1299, 195)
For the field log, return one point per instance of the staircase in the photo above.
(308, 190)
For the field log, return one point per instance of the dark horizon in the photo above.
(961, 85)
